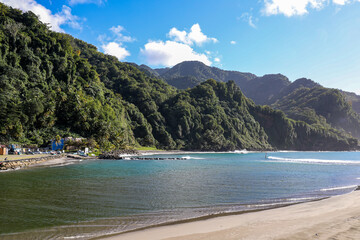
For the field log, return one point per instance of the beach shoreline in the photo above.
(244, 151)
(336, 217)
(41, 161)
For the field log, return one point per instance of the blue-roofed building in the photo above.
(57, 146)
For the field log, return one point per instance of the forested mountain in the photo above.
(262, 90)
(321, 106)
(353, 100)
(53, 84)
(277, 91)
(191, 73)
(289, 88)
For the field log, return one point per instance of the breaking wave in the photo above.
(244, 151)
(315, 161)
(188, 157)
(338, 188)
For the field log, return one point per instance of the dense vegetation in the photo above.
(46, 88)
(53, 84)
(331, 108)
(321, 106)
(191, 73)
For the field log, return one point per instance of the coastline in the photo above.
(41, 161)
(336, 217)
(181, 152)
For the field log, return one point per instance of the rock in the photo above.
(116, 154)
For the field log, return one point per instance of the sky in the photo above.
(316, 39)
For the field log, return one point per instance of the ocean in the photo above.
(98, 197)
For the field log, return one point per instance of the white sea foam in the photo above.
(188, 157)
(315, 161)
(300, 199)
(244, 151)
(125, 155)
(338, 188)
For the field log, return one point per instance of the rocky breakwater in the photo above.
(117, 154)
(16, 164)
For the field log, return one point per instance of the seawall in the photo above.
(20, 163)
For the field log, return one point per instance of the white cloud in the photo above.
(217, 60)
(180, 36)
(247, 17)
(178, 49)
(233, 42)
(115, 49)
(113, 45)
(251, 22)
(117, 30)
(298, 7)
(46, 16)
(341, 2)
(170, 53)
(291, 7)
(194, 36)
(74, 2)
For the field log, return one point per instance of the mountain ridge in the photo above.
(271, 89)
(168, 73)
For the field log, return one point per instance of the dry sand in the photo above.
(333, 218)
(55, 162)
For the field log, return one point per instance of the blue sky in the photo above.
(317, 39)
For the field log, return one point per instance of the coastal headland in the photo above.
(337, 217)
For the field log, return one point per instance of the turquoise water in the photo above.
(97, 197)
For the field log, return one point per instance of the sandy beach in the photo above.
(333, 218)
(55, 162)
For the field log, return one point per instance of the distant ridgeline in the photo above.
(303, 99)
(53, 84)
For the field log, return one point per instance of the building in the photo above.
(55, 146)
(3, 150)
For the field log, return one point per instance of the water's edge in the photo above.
(207, 217)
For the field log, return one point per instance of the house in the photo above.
(3, 150)
(14, 149)
(55, 146)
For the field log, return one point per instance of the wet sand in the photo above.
(55, 162)
(333, 218)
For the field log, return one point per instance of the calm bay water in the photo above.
(94, 198)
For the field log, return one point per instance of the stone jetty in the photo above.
(15, 164)
(117, 154)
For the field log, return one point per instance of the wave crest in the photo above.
(315, 161)
(337, 188)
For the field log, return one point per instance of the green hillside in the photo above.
(191, 73)
(321, 106)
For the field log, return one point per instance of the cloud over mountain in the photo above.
(180, 48)
(170, 53)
